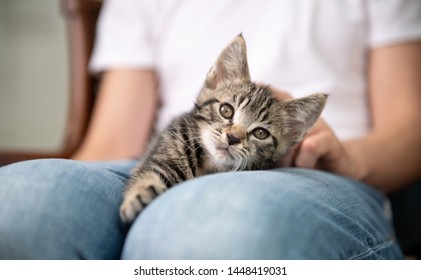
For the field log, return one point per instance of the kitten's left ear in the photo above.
(302, 114)
(231, 65)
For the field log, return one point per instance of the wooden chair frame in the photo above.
(81, 17)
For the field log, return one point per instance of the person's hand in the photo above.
(320, 149)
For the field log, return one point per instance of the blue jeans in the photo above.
(62, 209)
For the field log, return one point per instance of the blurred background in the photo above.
(33, 74)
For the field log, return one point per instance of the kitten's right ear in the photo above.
(302, 114)
(231, 65)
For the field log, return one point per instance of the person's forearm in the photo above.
(387, 162)
(123, 117)
(391, 153)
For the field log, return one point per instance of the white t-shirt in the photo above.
(301, 46)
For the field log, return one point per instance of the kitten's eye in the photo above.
(261, 133)
(226, 110)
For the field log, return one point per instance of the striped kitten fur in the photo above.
(234, 125)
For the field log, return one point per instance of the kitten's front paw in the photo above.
(138, 196)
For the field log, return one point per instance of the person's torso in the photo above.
(300, 46)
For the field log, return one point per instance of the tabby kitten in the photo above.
(234, 125)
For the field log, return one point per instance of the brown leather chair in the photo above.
(81, 17)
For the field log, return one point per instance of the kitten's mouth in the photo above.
(224, 149)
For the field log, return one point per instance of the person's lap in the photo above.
(60, 209)
(282, 214)
(64, 209)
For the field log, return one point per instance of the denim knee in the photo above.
(60, 209)
(288, 214)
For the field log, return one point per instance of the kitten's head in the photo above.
(243, 125)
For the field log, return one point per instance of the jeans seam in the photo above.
(372, 250)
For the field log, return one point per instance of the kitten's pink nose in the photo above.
(232, 140)
(235, 134)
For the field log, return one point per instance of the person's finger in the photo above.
(281, 94)
(312, 148)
